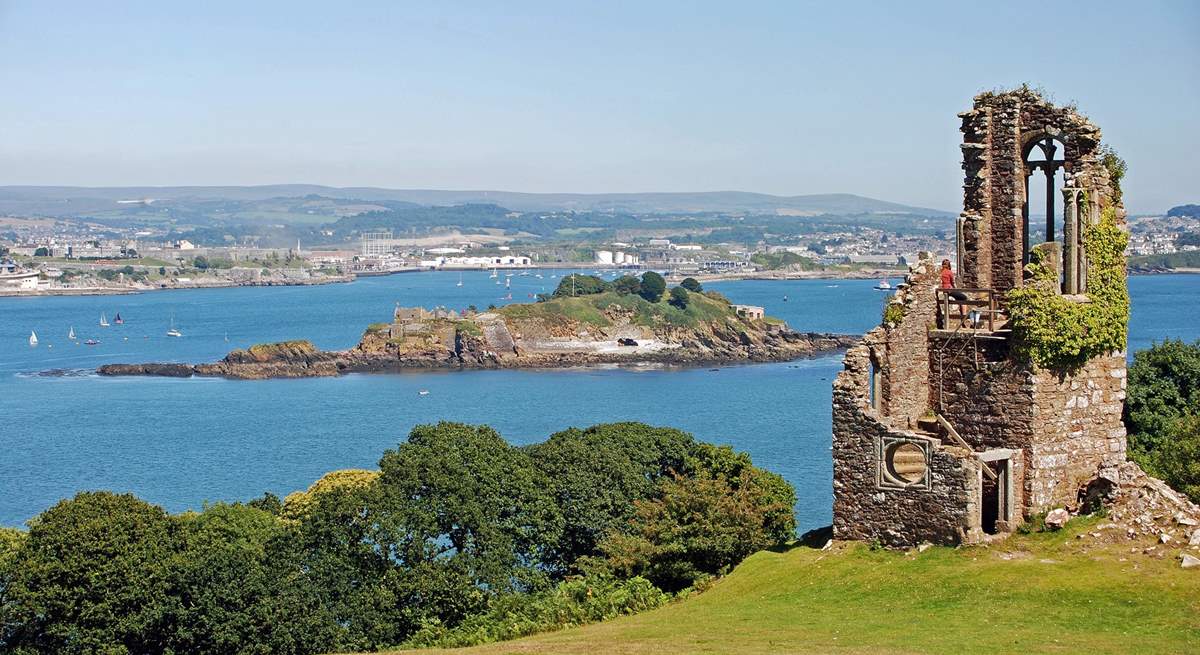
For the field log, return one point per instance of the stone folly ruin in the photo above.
(943, 430)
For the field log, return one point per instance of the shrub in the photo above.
(699, 526)
(653, 286)
(893, 313)
(679, 297)
(1177, 460)
(626, 285)
(580, 285)
(571, 603)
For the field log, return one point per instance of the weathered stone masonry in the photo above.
(943, 434)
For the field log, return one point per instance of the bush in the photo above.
(691, 284)
(679, 297)
(698, 526)
(1177, 460)
(1162, 413)
(571, 603)
(626, 285)
(579, 285)
(653, 286)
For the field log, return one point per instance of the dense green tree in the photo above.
(200, 262)
(462, 492)
(41, 252)
(626, 285)
(699, 526)
(580, 285)
(93, 576)
(336, 539)
(679, 297)
(596, 475)
(1177, 459)
(1164, 385)
(691, 284)
(242, 589)
(653, 286)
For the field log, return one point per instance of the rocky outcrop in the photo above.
(515, 340)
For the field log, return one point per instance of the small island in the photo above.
(586, 321)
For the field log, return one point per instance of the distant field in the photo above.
(1042, 593)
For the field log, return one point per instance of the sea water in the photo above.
(181, 442)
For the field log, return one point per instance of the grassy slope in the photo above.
(1055, 594)
(588, 309)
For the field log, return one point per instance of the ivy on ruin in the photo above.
(1057, 333)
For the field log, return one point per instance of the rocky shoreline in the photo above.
(302, 360)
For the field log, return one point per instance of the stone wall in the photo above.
(942, 509)
(903, 348)
(1078, 432)
(1068, 426)
(997, 135)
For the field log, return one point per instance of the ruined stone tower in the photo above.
(944, 429)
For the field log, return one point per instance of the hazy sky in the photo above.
(786, 98)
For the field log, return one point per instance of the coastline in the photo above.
(206, 284)
(349, 362)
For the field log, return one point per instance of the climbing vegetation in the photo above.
(1055, 332)
(1116, 168)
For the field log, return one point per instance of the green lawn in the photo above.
(1042, 593)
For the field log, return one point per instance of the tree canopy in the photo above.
(653, 286)
(458, 537)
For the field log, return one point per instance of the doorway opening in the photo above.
(995, 504)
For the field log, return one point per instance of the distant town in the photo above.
(135, 245)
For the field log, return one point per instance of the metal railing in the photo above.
(974, 298)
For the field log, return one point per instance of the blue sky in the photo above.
(785, 98)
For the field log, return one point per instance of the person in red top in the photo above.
(948, 283)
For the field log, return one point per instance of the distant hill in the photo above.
(67, 201)
(1184, 210)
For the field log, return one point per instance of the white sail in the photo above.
(71, 333)
(103, 320)
(33, 341)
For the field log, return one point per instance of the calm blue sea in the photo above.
(182, 442)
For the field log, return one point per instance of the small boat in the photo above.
(785, 298)
(118, 320)
(226, 337)
(459, 280)
(494, 274)
(103, 320)
(33, 338)
(883, 285)
(71, 333)
(91, 342)
(507, 283)
(173, 332)
(423, 392)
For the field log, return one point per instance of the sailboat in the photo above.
(118, 320)
(494, 274)
(103, 320)
(173, 332)
(71, 333)
(507, 283)
(33, 338)
(459, 280)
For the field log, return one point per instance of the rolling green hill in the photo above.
(1039, 593)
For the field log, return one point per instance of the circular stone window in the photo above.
(906, 462)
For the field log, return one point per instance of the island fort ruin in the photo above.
(976, 407)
